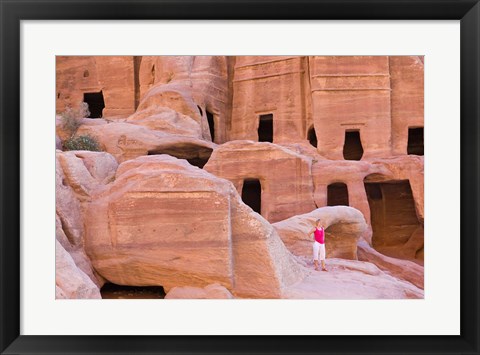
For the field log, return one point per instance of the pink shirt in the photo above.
(320, 235)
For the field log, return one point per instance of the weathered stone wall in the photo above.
(285, 177)
(351, 93)
(77, 75)
(270, 85)
(165, 222)
(205, 80)
(406, 75)
(380, 97)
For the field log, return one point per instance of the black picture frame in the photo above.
(13, 12)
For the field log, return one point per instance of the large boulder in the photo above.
(196, 86)
(129, 141)
(343, 226)
(164, 222)
(159, 118)
(101, 165)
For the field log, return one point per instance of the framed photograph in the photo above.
(204, 151)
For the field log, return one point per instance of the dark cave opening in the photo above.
(252, 194)
(196, 156)
(312, 137)
(95, 102)
(352, 148)
(415, 141)
(211, 124)
(265, 128)
(113, 291)
(337, 194)
(198, 162)
(392, 212)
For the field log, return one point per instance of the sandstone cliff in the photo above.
(213, 169)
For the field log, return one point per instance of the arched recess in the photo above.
(392, 213)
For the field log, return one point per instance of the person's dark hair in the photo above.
(316, 222)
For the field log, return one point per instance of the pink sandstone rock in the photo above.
(213, 291)
(77, 253)
(376, 95)
(350, 173)
(72, 282)
(284, 175)
(406, 77)
(179, 104)
(77, 175)
(274, 85)
(67, 206)
(58, 142)
(401, 204)
(165, 119)
(128, 141)
(101, 165)
(343, 226)
(59, 294)
(351, 279)
(397, 217)
(204, 80)
(77, 75)
(71, 178)
(402, 269)
(174, 96)
(351, 93)
(164, 222)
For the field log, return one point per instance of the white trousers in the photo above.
(318, 248)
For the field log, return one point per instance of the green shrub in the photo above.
(85, 142)
(72, 119)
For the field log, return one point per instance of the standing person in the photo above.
(318, 244)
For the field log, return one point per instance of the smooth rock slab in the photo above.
(349, 279)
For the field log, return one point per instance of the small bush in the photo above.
(85, 142)
(71, 119)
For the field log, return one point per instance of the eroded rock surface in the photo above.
(350, 279)
(402, 269)
(289, 134)
(284, 176)
(213, 291)
(164, 222)
(128, 141)
(75, 185)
